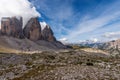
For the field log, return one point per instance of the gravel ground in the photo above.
(64, 65)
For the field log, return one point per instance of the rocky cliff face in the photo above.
(112, 47)
(47, 34)
(32, 30)
(115, 44)
(12, 27)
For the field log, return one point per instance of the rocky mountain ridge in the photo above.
(115, 44)
(112, 47)
(13, 27)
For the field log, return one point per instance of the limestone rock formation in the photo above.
(113, 47)
(32, 30)
(47, 34)
(12, 26)
(115, 44)
(31, 37)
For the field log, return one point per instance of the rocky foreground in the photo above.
(59, 65)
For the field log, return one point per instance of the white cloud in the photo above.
(87, 26)
(56, 10)
(10, 8)
(112, 35)
(63, 40)
(94, 40)
(92, 24)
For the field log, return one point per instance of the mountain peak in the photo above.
(12, 26)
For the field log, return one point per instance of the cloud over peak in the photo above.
(18, 8)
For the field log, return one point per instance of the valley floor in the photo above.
(62, 65)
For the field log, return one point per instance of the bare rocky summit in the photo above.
(112, 44)
(112, 47)
(12, 27)
(29, 37)
(47, 34)
(32, 30)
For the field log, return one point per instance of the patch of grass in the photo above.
(78, 62)
(52, 57)
(29, 63)
(38, 70)
(7, 50)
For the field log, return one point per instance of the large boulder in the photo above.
(12, 26)
(47, 34)
(32, 30)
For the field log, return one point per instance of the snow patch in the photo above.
(43, 25)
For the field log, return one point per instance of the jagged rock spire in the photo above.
(11, 26)
(47, 34)
(32, 30)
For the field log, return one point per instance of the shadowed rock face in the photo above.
(12, 27)
(32, 29)
(47, 34)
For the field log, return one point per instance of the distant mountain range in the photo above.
(92, 45)
(113, 47)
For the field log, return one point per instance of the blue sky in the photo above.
(76, 20)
